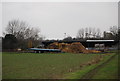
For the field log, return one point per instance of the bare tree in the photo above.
(114, 30)
(17, 28)
(86, 32)
(80, 33)
(94, 32)
(98, 34)
(23, 32)
(89, 32)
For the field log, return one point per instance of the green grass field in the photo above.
(108, 71)
(89, 70)
(45, 66)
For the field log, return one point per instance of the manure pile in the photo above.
(75, 47)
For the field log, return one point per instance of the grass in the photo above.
(109, 71)
(80, 73)
(46, 65)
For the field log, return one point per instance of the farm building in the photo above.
(88, 46)
(102, 44)
(88, 43)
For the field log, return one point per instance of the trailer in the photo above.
(40, 50)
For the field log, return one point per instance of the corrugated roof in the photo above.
(99, 40)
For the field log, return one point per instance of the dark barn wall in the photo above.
(84, 43)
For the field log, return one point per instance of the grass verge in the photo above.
(79, 74)
(109, 71)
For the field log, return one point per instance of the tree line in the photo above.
(89, 33)
(95, 33)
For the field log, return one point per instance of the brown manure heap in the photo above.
(75, 47)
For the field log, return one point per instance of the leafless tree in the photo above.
(80, 33)
(98, 33)
(22, 31)
(89, 32)
(17, 28)
(86, 32)
(114, 30)
(94, 32)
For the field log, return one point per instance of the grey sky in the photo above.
(56, 18)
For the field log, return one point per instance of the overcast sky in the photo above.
(56, 18)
